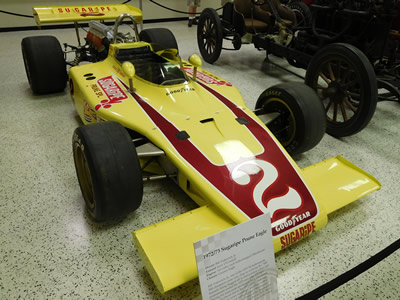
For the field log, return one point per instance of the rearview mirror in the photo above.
(195, 60)
(129, 70)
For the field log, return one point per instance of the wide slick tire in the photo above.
(108, 170)
(209, 35)
(301, 123)
(162, 37)
(44, 64)
(345, 81)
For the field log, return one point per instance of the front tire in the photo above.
(44, 64)
(108, 170)
(301, 123)
(345, 81)
(209, 35)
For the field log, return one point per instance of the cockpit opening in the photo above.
(152, 67)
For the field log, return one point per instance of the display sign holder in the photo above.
(238, 263)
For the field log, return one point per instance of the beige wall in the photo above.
(150, 10)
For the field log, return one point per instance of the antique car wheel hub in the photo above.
(335, 91)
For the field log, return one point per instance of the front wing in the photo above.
(167, 247)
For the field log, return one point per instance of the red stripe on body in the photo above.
(221, 176)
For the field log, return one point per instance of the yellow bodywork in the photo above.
(167, 247)
(83, 13)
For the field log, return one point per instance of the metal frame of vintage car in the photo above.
(374, 30)
(330, 42)
(196, 130)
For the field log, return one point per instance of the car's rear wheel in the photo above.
(209, 35)
(346, 83)
(162, 38)
(44, 64)
(301, 123)
(108, 170)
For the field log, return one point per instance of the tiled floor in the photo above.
(51, 249)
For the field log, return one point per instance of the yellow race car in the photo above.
(148, 114)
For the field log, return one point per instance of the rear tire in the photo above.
(301, 123)
(162, 38)
(44, 64)
(108, 170)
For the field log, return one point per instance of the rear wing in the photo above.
(83, 13)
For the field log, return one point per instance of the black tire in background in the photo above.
(209, 35)
(301, 123)
(44, 64)
(302, 12)
(108, 170)
(163, 38)
(345, 81)
(303, 19)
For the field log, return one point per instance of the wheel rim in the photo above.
(283, 127)
(209, 36)
(340, 90)
(84, 177)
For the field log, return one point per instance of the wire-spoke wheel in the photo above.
(209, 35)
(345, 81)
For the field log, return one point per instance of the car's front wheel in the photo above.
(108, 170)
(301, 122)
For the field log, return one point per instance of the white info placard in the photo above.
(238, 263)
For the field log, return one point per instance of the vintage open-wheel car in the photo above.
(347, 48)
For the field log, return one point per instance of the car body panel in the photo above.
(211, 158)
(230, 146)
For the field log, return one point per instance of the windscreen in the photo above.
(152, 67)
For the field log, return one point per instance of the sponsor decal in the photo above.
(206, 78)
(85, 11)
(113, 92)
(88, 113)
(297, 234)
(267, 182)
(86, 106)
(181, 90)
(88, 118)
(92, 15)
(97, 90)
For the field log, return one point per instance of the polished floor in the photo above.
(51, 249)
